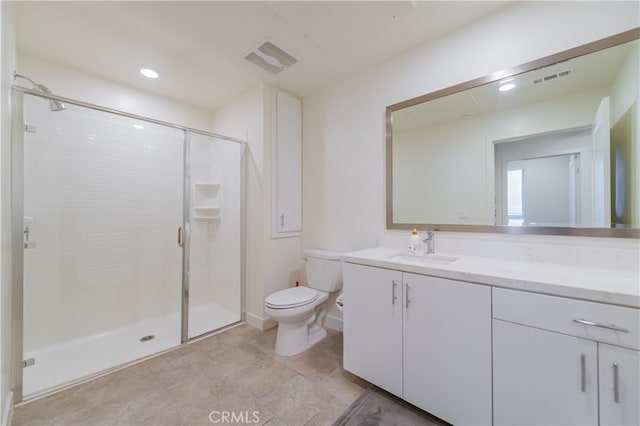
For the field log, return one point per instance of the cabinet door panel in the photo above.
(619, 406)
(287, 164)
(447, 349)
(539, 377)
(373, 325)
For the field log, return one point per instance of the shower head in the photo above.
(53, 105)
(56, 105)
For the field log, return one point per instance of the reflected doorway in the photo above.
(543, 191)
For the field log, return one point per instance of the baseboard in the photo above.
(7, 409)
(333, 323)
(261, 323)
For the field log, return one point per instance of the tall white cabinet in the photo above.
(424, 339)
(286, 125)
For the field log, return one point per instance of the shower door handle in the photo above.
(180, 237)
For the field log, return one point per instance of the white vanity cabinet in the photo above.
(619, 390)
(372, 325)
(563, 361)
(447, 348)
(543, 378)
(425, 339)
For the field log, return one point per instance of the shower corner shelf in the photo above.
(206, 213)
(207, 186)
(207, 204)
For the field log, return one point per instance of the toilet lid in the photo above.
(291, 297)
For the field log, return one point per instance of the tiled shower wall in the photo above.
(215, 252)
(106, 203)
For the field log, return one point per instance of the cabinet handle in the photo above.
(393, 292)
(595, 324)
(583, 373)
(282, 220)
(406, 294)
(616, 387)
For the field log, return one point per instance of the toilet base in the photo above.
(294, 338)
(316, 333)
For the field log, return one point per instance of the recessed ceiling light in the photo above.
(138, 126)
(149, 73)
(506, 87)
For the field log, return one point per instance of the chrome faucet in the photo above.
(429, 241)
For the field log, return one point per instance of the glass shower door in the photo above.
(103, 200)
(215, 265)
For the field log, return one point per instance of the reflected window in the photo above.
(514, 196)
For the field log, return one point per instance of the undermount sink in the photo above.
(429, 259)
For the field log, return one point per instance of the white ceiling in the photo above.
(198, 47)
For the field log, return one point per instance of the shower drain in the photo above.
(147, 338)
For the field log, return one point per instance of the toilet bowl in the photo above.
(300, 311)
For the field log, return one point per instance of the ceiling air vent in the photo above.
(270, 57)
(551, 77)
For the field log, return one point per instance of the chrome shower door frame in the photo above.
(17, 225)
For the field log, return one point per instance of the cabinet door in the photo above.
(447, 348)
(543, 378)
(619, 373)
(373, 325)
(287, 164)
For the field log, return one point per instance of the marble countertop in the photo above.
(613, 286)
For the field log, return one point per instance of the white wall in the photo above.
(344, 169)
(7, 64)
(344, 124)
(271, 264)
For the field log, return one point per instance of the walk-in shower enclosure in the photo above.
(127, 238)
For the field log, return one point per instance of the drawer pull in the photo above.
(583, 373)
(595, 324)
(616, 386)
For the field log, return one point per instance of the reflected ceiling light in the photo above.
(138, 126)
(149, 73)
(506, 87)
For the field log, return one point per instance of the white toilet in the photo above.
(300, 310)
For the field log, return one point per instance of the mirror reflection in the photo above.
(556, 146)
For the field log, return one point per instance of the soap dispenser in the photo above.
(414, 241)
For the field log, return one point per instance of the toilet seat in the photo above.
(293, 297)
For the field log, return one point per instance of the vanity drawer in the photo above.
(616, 325)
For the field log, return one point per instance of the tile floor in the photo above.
(236, 372)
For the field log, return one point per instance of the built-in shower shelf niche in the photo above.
(206, 213)
(206, 204)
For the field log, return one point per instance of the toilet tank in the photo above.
(323, 269)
